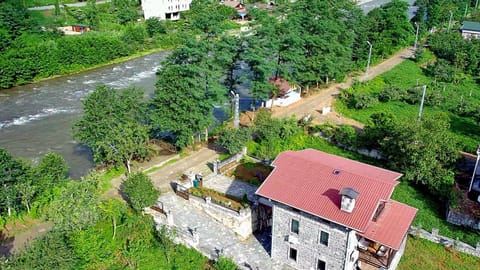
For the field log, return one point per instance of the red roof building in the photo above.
(335, 193)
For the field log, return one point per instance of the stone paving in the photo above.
(230, 186)
(215, 239)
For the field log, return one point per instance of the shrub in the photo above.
(391, 93)
(363, 101)
(140, 191)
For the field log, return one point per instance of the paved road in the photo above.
(79, 4)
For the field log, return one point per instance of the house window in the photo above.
(324, 238)
(321, 265)
(292, 254)
(294, 228)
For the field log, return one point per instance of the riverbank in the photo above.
(113, 62)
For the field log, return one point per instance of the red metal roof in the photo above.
(282, 85)
(306, 180)
(392, 224)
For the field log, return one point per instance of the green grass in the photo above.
(405, 76)
(106, 177)
(431, 214)
(154, 169)
(423, 254)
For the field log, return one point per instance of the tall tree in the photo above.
(424, 150)
(76, 207)
(113, 125)
(13, 172)
(189, 85)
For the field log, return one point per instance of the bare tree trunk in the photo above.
(9, 211)
(129, 170)
(206, 134)
(28, 207)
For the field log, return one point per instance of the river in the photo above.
(37, 118)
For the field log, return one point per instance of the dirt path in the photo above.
(197, 162)
(314, 104)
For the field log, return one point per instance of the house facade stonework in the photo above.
(331, 212)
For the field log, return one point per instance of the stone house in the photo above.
(470, 29)
(164, 9)
(331, 212)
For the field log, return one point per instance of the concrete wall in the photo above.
(159, 8)
(307, 241)
(462, 219)
(239, 222)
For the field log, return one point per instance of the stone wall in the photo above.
(307, 241)
(239, 222)
(462, 219)
(448, 242)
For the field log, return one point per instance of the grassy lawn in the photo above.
(431, 214)
(423, 254)
(408, 75)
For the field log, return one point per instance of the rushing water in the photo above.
(37, 118)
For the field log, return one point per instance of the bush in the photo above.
(234, 139)
(391, 93)
(140, 191)
(363, 101)
(346, 135)
(155, 26)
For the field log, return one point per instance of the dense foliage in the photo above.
(140, 191)
(113, 125)
(23, 187)
(32, 48)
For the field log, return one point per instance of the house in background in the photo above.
(164, 9)
(238, 6)
(470, 29)
(287, 93)
(331, 212)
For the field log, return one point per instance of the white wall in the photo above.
(161, 8)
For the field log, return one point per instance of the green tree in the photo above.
(389, 27)
(234, 139)
(51, 251)
(13, 172)
(140, 191)
(76, 207)
(189, 85)
(425, 151)
(51, 171)
(113, 125)
(113, 209)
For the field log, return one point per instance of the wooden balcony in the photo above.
(373, 255)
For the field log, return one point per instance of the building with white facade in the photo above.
(164, 9)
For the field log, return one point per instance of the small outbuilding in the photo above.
(470, 29)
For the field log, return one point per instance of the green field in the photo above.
(422, 254)
(408, 75)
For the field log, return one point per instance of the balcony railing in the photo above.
(375, 254)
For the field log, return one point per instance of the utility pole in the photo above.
(236, 111)
(369, 56)
(421, 103)
(450, 20)
(416, 37)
